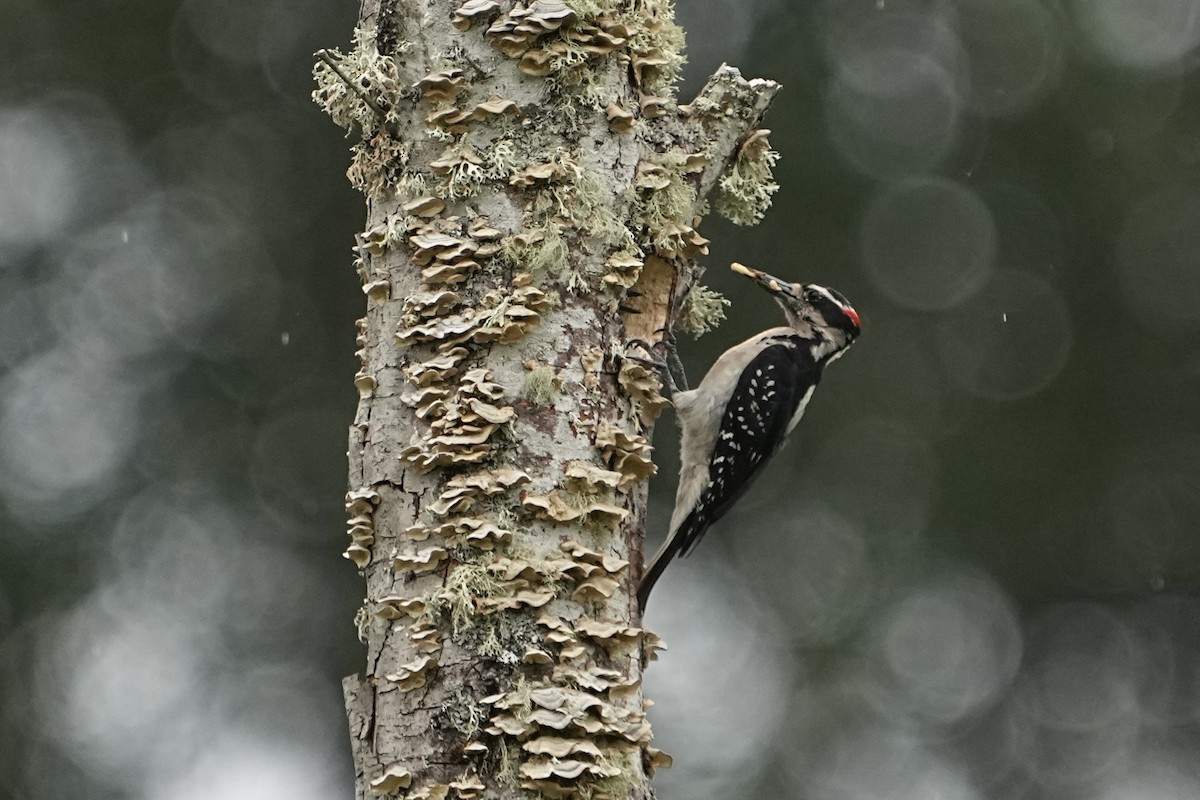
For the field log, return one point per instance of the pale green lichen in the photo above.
(590, 9)
(413, 184)
(653, 32)
(463, 712)
(491, 644)
(541, 385)
(659, 209)
(500, 160)
(463, 585)
(362, 622)
(703, 310)
(463, 178)
(543, 251)
(508, 773)
(746, 188)
(354, 88)
(584, 199)
(377, 165)
(619, 785)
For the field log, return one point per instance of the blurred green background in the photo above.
(972, 575)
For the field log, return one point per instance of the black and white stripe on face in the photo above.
(833, 307)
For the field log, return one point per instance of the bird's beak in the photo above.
(768, 282)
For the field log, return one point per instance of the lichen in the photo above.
(500, 160)
(377, 165)
(653, 31)
(357, 89)
(463, 585)
(666, 202)
(703, 311)
(540, 250)
(584, 199)
(362, 622)
(541, 385)
(746, 188)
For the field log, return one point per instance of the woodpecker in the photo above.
(747, 404)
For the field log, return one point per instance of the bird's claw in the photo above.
(663, 359)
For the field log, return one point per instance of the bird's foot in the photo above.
(663, 359)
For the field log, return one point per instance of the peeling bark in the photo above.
(533, 191)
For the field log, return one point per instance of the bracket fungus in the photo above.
(414, 674)
(360, 508)
(393, 779)
(423, 560)
(472, 10)
(443, 85)
(626, 453)
(642, 386)
(554, 507)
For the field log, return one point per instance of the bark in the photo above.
(532, 195)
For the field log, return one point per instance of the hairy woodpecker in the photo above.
(745, 407)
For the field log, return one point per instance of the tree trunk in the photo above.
(532, 194)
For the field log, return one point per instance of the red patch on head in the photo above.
(853, 315)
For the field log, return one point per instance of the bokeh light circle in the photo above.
(1144, 34)
(66, 429)
(928, 243)
(1013, 50)
(1158, 258)
(818, 570)
(1010, 341)
(949, 648)
(891, 108)
(1081, 690)
(725, 672)
(39, 190)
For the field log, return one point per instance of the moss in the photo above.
(746, 188)
(703, 310)
(541, 385)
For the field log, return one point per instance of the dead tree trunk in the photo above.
(533, 191)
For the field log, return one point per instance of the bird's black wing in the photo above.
(752, 430)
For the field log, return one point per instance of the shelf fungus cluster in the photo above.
(396, 780)
(546, 36)
(360, 509)
(579, 722)
(460, 408)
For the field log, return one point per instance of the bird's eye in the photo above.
(811, 295)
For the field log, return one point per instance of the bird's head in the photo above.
(810, 307)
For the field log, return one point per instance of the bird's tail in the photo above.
(679, 542)
(653, 572)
